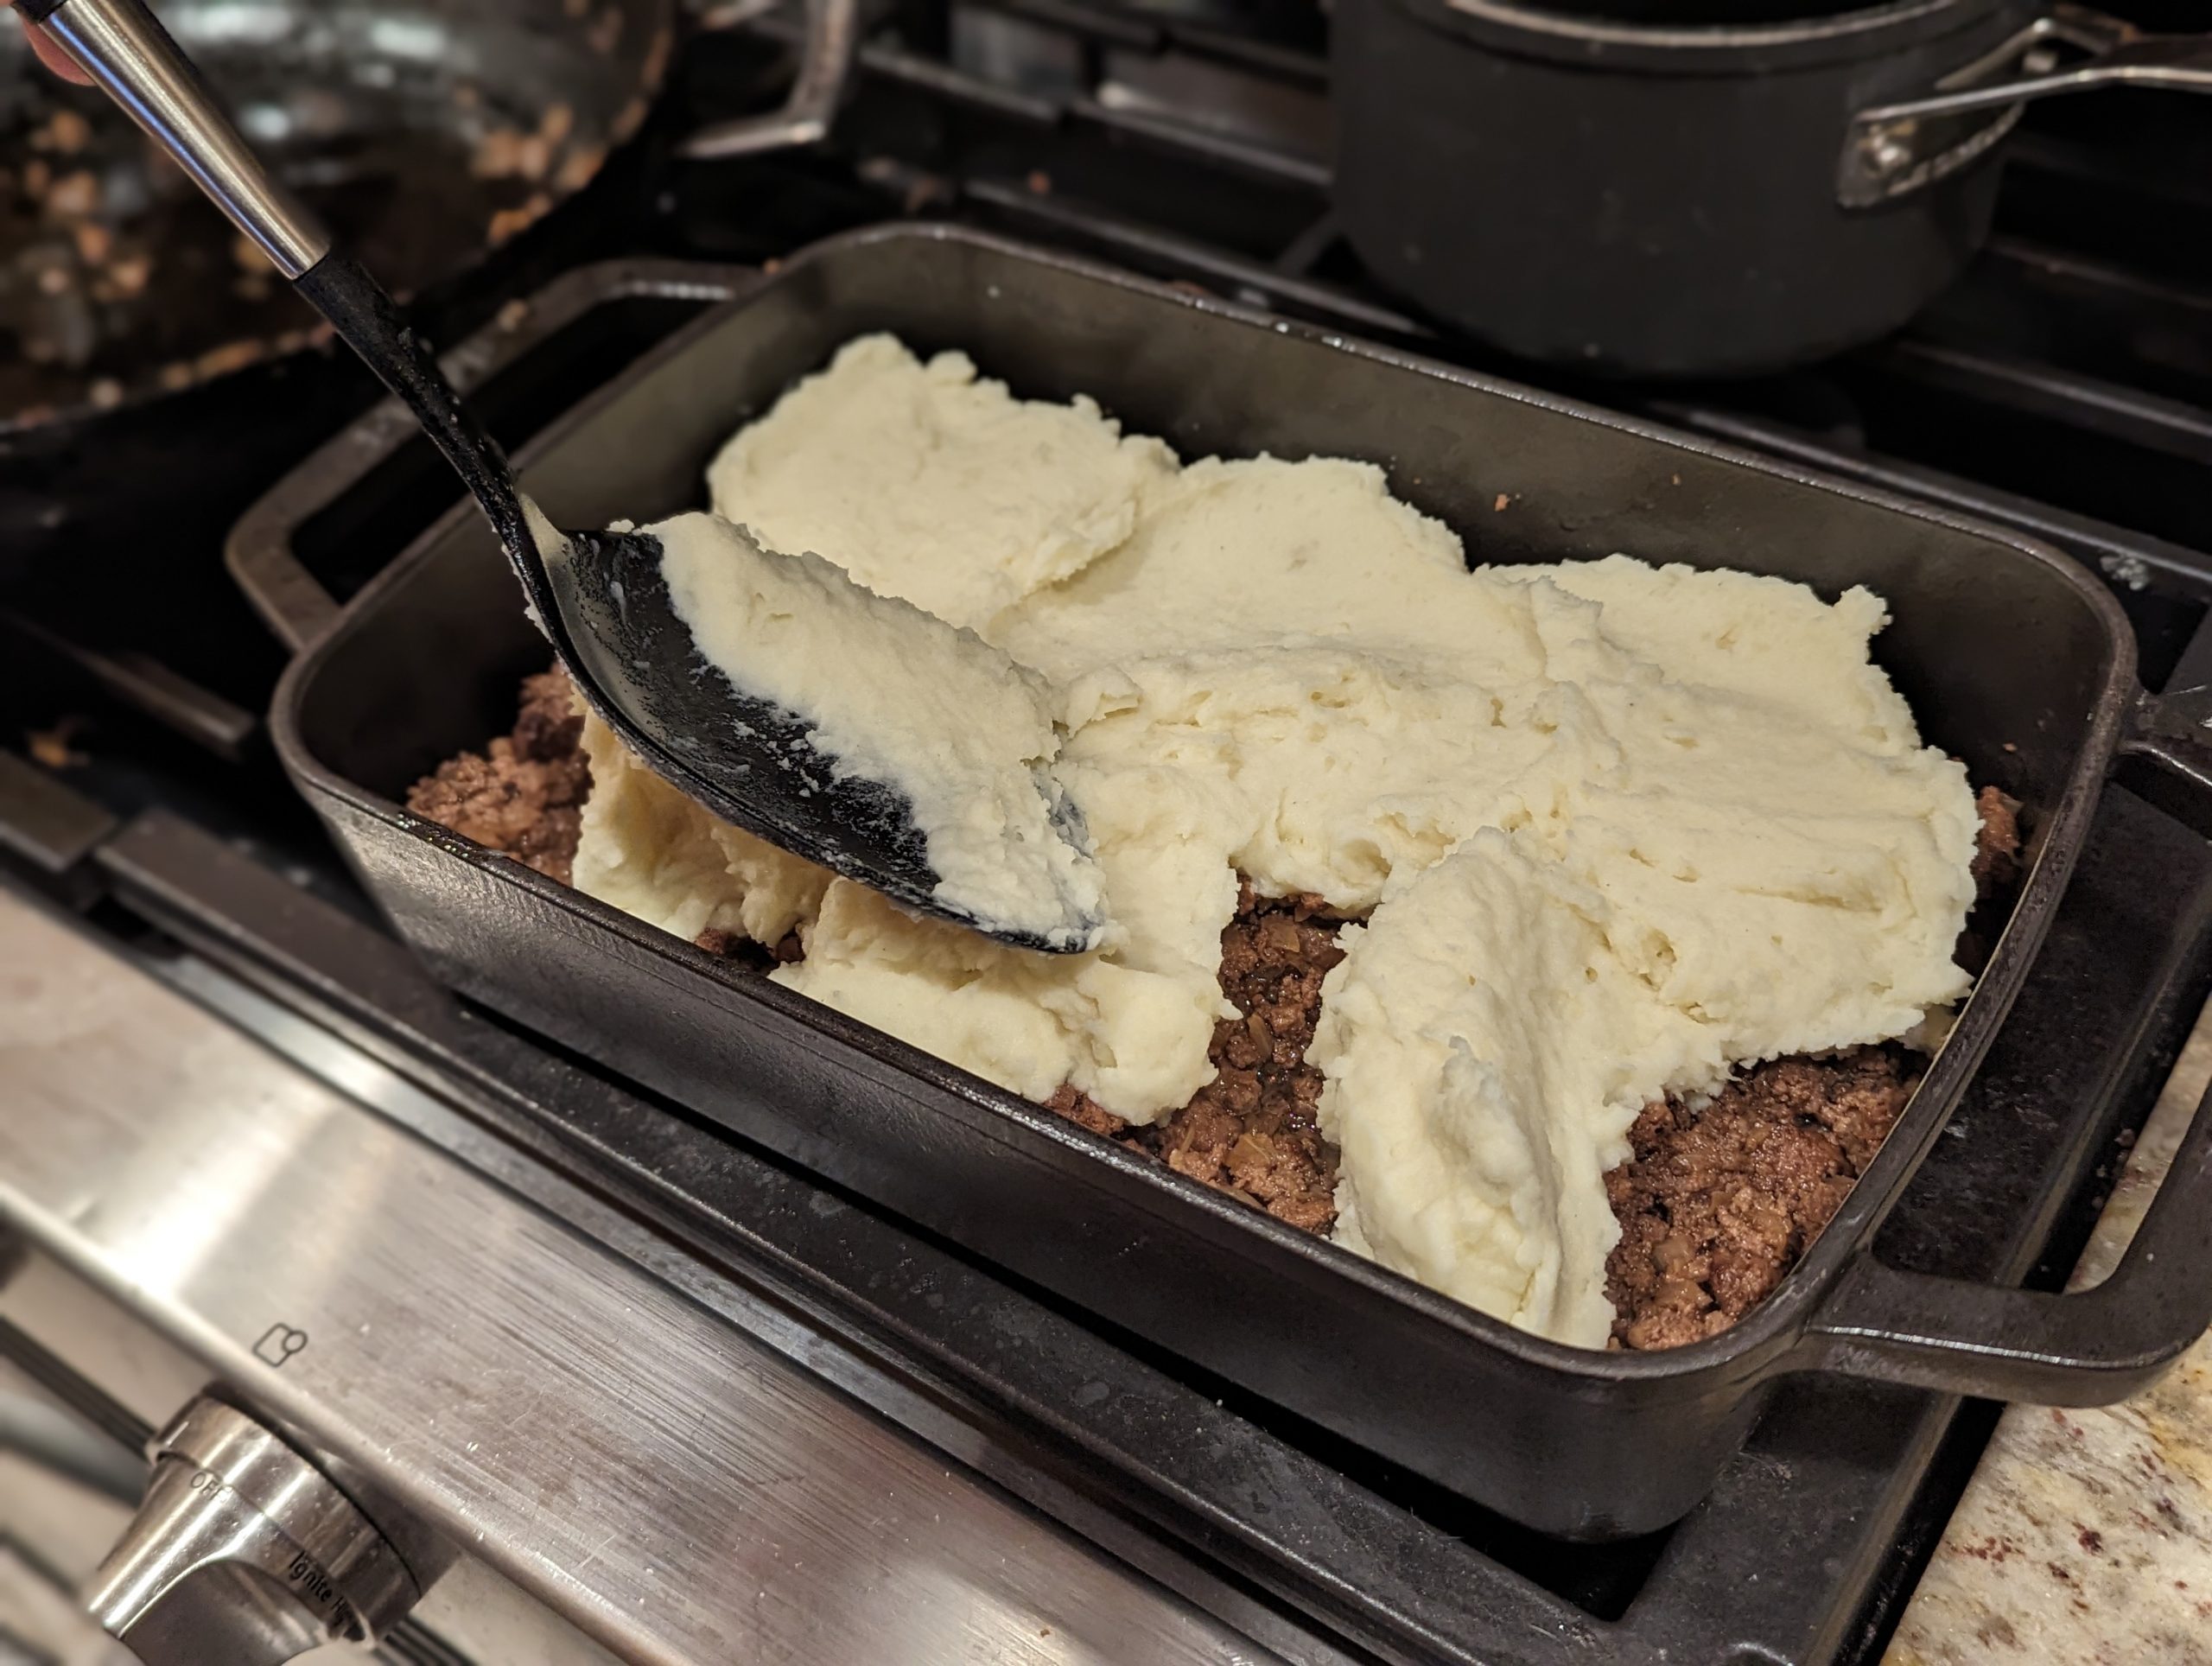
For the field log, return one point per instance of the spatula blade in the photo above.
(750, 761)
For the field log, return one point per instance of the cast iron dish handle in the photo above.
(1894, 150)
(2090, 1347)
(259, 551)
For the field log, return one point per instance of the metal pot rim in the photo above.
(1533, 30)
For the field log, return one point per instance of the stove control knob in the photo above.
(243, 1553)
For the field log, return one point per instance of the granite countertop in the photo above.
(2086, 1536)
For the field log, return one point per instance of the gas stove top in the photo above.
(2062, 389)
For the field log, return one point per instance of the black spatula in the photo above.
(599, 596)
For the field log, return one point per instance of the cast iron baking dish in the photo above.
(2014, 660)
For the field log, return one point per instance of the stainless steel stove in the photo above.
(385, 1301)
(558, 1424)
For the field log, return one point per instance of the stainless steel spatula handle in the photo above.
(123, 47)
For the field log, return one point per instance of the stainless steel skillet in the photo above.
(602, 599)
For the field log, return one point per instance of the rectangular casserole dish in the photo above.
(2014, 660)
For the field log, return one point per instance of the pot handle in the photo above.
(1894, 150)
(825, 63)
(260, 550)
(2088, 1347)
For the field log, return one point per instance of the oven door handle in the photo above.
(2085, 1347)
(262, 552)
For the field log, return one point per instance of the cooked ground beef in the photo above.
(730, 946)
(1715, 1204)
(1084, 1111)
(549, 727)
(1251, 1132)
(1718, 1202)
(524, 795)
(1996, 844)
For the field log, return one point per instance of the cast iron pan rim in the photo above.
(1756, 1347)
(1515, 26)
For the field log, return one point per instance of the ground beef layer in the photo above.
(523, 794)
(1719, 1200)
(1716, 1204)
(1251, 1131)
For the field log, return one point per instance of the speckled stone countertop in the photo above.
(2086, 1536)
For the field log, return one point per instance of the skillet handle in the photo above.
(260, 550)
(2088, 1347)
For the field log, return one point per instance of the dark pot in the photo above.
(1587, 183)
